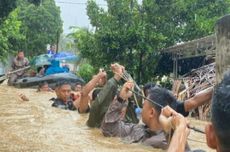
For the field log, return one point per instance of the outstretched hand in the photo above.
(125, 92)
(118, 70)
(23, 97)
(170, 119)
(102, 74)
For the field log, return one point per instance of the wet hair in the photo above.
(95, 93)
(78, 83)
(161, 96)
(19, 51)
(147, 87)
(220, 112)
(61, 83)
(39, 69)
(40, 85)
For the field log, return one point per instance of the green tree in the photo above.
(133, 33)
(41, 25)
(6, 6)
(9, 33)
(86, 71)
(202, 16)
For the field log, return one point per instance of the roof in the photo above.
(197, 47)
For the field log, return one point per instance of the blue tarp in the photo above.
(67, 56)
(55, 68)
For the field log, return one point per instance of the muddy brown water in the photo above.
(36, 126)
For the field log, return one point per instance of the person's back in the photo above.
(101, 103)
(152, 134)
(104, 98)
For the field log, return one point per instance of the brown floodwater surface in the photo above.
(36, 126)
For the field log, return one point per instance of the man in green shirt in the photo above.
(100, 106)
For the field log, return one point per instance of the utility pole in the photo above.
(222, 47)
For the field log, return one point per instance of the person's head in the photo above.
(78, 87)
(44, 86)
(63, 90)
(102, 82)
(39, 69)
(218, 132)
(151, 111)
(147, 87)
(20, 54)
(53, 48)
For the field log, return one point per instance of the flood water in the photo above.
(36, 126)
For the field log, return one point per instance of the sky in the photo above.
(73, 13)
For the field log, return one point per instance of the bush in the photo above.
(163, 81)
(86, 71)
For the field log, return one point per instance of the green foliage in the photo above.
(6, 6)
(86, 71)
(163, 81)
(132, 34)
(35, 2)
(41, 25)
(29, 27)
(9, 33)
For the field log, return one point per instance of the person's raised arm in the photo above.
(170, 119)
(83, 105)
(198, 100)
(100, 105)
(111, 86)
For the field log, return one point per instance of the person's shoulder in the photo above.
(26, 59)
(56, 102)
(15, 58)
(181, 109)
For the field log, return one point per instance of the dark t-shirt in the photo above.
(60, 104)
(179, 107)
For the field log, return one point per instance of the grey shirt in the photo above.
(112, 125)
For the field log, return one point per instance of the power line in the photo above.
(161, 5)
(77, 3)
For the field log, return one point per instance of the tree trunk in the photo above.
(139, 79)
(222, 47)
(131, 67)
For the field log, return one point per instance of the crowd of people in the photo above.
(111, 107)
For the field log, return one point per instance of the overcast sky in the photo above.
(73, 13)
